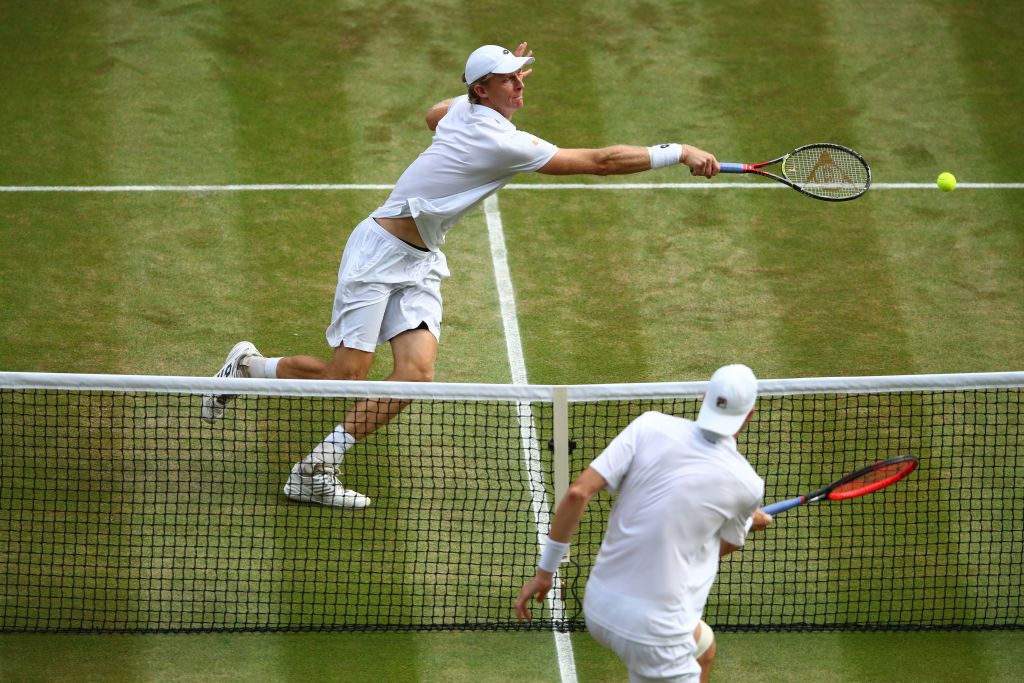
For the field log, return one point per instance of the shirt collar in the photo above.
(485, 111)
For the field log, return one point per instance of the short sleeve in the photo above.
(522, 152)
(735, 529)
(615, 461)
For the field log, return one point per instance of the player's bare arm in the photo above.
(623, 160)
(567, 519)
(759, 522)
(725, 548)
(437, 112)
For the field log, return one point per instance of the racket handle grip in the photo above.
(732, 168)
(783, 505)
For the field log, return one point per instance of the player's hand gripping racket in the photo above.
(822, 170)
(860, 483)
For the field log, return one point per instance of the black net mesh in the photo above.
(123, 511)
(939, 550)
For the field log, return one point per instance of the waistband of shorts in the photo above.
(397, 242)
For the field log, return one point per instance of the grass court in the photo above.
(612, 285)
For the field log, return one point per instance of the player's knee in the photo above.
(414, 372)
(346, 373)
(706, 647)
(348, 364)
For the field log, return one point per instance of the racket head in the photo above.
(872, 478)
(828, 171)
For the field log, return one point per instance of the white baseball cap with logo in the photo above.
(492, 59)
(730, 396)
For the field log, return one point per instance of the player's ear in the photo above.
(479, 88)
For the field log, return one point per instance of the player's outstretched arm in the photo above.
(624, 159)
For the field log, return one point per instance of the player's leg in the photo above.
(315, 479)
(245, 360)
(353, 293)
(346, 363)
(360, 304)
(706, 649)
(415, 352)
(409, 317)
(412, 325)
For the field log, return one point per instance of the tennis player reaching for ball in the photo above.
(389, 281)
(685, 498)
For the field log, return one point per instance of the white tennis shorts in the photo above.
(385, 287)
(650, 663)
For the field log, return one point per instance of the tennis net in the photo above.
(121, 510)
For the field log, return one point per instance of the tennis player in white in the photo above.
(685, 497)
(389, 282)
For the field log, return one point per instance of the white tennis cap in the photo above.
(731, 394)
(492, 59)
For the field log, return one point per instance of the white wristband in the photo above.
(552, 555)
(665, 155)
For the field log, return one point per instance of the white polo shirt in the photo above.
(678, 496)
(475, 152)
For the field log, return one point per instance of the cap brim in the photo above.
(511, 64)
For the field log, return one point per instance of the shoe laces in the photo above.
(326, 473)
(226, 371)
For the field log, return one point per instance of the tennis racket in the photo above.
(860, 483)
(822, 170)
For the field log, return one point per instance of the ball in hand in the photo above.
(946, 182)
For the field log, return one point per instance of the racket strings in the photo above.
(868, 478)
(877, 477)
(827, 171)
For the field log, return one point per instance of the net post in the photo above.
(560, 435)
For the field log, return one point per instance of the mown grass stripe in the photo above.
(951, 257)
(156, 53)
(824, 265)
(877, 59)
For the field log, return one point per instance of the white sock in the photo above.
(260, 367)
(331, 451)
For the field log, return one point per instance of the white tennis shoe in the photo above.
(319, 484)
(213, 405)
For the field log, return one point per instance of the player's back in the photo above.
(681, 492)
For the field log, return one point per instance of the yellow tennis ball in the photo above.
(946, 182)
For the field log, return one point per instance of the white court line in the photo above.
(527, 428)
(321, 187)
